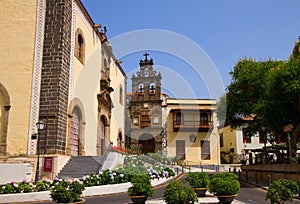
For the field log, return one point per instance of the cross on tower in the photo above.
(146, 55)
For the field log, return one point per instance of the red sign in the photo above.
(48, 164)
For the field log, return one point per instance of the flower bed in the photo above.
(120, 175)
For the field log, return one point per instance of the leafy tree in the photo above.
(265, 95)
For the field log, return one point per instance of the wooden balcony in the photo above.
(187, 126)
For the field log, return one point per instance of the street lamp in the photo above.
(40, 126)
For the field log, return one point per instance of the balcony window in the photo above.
(179, 118)
(204, 118)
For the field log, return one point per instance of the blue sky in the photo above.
(223, 30)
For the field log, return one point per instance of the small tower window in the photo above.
(79, 45)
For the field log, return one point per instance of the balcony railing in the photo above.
(192, 125)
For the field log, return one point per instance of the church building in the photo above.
(58, 70)
(145, 107)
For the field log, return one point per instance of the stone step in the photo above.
(78, 167)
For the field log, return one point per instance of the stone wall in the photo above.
(275, 171)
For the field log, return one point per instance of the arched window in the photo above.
(79, 45)
(121, 95)
(152, 88)
(119, 140)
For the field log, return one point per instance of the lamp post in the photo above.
(40, 126)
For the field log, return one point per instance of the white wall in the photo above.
(15, 172)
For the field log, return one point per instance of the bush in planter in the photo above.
(141, 186)
(282, 190)
(199, 181)
(177, 192)
(66, 191)
(224, 184)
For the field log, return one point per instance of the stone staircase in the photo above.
(78, 167)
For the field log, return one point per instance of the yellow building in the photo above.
(238, 147)
(58, 67)
(192, 131)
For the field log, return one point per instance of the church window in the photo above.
(121, 95)
(79, 45)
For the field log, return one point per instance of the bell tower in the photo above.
(145, 107)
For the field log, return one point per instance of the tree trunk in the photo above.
(294, 139)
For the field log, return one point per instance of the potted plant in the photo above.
(225, 186)
(282, 190)
(141, 188)
(67, 191)
(199, 181)
(177, 192)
